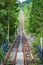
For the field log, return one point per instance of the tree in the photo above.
(36, 20)
(8, 16)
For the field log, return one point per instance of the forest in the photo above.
(33, 25)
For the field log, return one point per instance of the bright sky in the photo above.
(22, 0)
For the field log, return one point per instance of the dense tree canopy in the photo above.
(8, 17)
(34, 16)
(33, 23)
(27, 11)
(36, 20)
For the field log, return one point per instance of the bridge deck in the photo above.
(20, 59)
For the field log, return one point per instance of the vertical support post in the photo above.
(8, 32)
(8, 22)
(41, 43)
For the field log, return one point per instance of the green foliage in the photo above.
(2, 54)
(8, 16)
(34, 17)
(27, 10)
(36, 20)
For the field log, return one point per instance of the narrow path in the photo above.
(20, 57)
